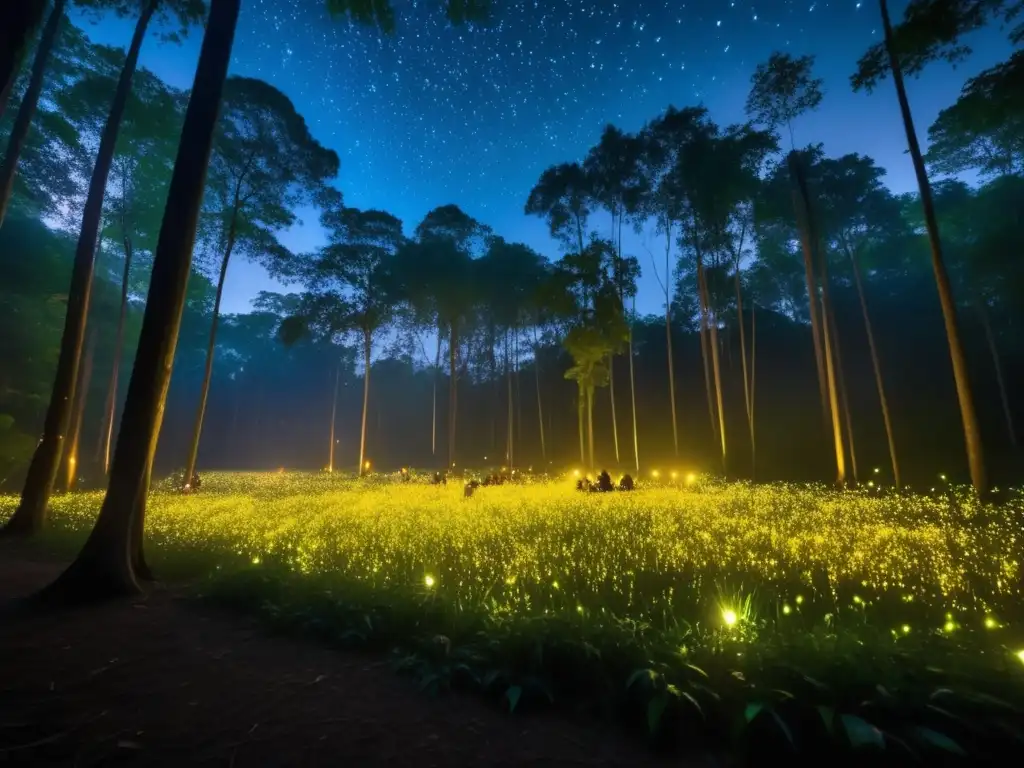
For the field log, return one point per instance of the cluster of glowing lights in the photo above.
(538, 548)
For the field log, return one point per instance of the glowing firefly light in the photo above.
(991, 623)
(1020, 655)
(428, 580)
(786, 609)
(691, 478)
(799, 599)
(576, 473)
(876, 470)
(655, 474)
(366, 465)
(729, 617)
(906, 629)
(949, 626)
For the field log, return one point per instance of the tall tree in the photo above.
(29, 101)
(782, 89)
(107, 564)
(265, 163)
(42, 472)
(931, 31)
(662, 142)
(351, 284)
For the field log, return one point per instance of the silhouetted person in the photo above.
(604, 482)
(440, 479)
(626, 483)
(470, 488)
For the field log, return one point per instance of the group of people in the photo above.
(604, 484)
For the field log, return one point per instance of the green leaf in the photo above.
(938, 740)
(752, 710)
(513, 695)
(655, 709)
(861, 733)
(698, 670)
(828, 717)
(696, 704)
(645, 674)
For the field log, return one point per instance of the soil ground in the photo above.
(158, 681)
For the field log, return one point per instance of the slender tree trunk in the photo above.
(844, 391)
(705, 351)
(716, 366)
(743, 362)
(367, 348)
(42, 472)
(18, 23)
(611, 397)
(509, 449)
(961, 375)
(27, 108)
(753, 381)
(581, 413)
(632, 392)
(540, 405)
(668, 341)
(71, 463)
(801, 204)
(876, 365)
(104, 567)
(453, 399)
(110, 409)
(590, 427)
(831, 375)
(211, 347)
(433, 416)
(334, 415)
(997, 365)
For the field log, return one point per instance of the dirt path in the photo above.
(156, 682)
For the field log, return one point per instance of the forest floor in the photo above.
(160, 680)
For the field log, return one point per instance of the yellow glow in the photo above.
(366, 465)
(876, 470)
(691, 478)
(576, 473)
(655, 473)
(799, 599)
(428, 580)
(991, 623)
(906, 629)
(675, 475)
(729, 617)
(786, 609)
(1020, 655)
(949, 626)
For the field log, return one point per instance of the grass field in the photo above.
(691, 597)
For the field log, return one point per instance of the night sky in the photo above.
(436, 115)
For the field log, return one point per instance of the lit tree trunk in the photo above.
(668, 339)
(509, 455)
(746, 376)
(211, 346)
(110, 409)
(997, 365)
(104, 567)
(832, 376)
(334, 415)
(809, 238)
(611, 396)
(540, 406)
(580, 413)
(590, 427)
(453, 350)
(632, 391)
(844, 391)
(876, 365)
(18, 22)
(27, 108)
(801, 204)
(367, 347)
(972, 433)
(71, 463)
(753, 400)
(42, 472)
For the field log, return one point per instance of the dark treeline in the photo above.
(531, 341)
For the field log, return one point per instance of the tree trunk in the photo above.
(876, 365)
(18, 22)
(809, 240)
(211, 346)
(71, 463)
(801, 204)
(453, 349)
(611, 397)
(27, 108)
(367, 348)
(509, 448)
(104, 567)
(705, 352)
(716, 366)
(433, 416)
(540, 405)
(997, 365)
(590, 427)
(831, 374)
(580, 414)
(844, 391)
(42, 472)
(753, 381)
(334, 415)
(961, 376)
(668, 344)
(743, 363)
(110, 409)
